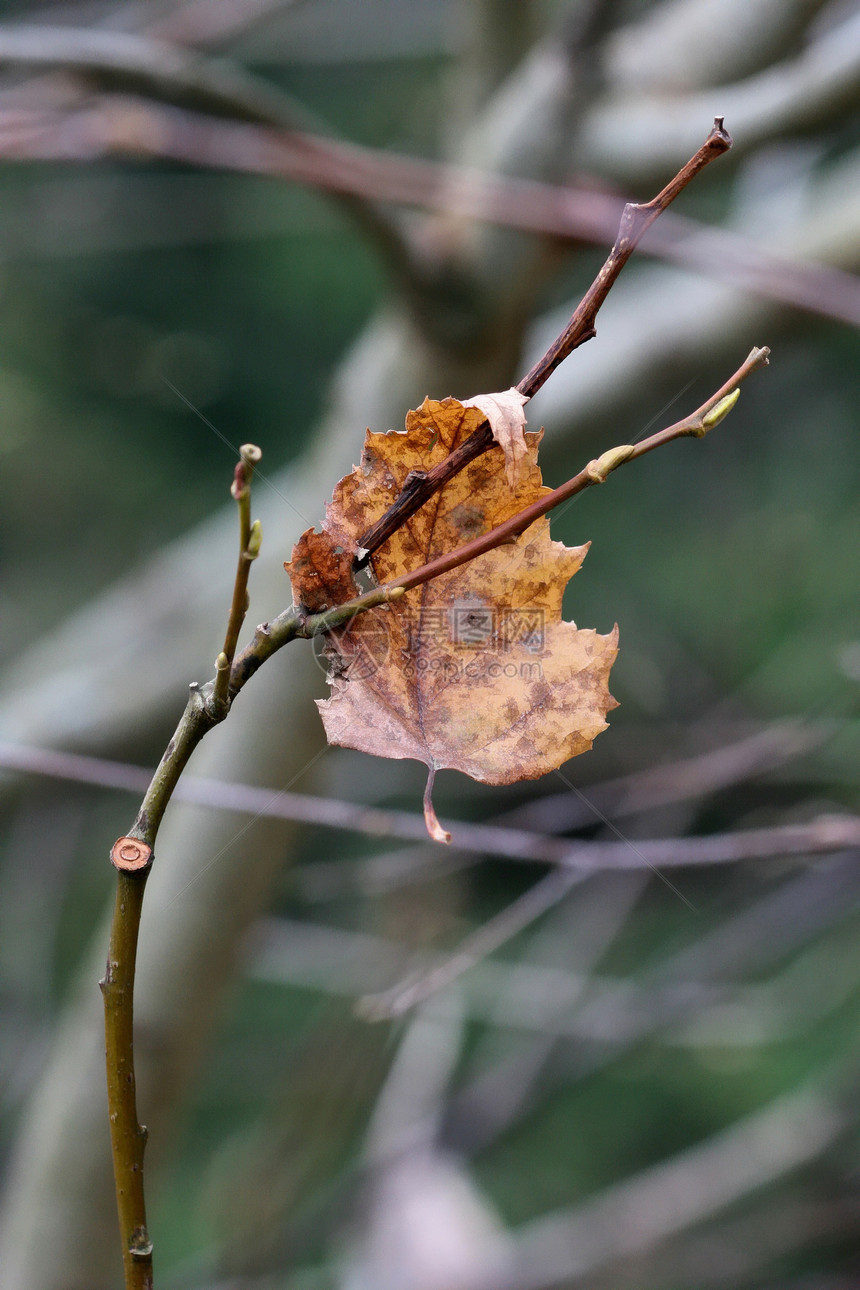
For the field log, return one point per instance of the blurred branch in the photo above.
(676, 781)
(742, 1249)
(632, 136)
(166, 73)
(600, 1017)
(208, 22)
(489, 937)
(684, 45)
(825, 834)
(615, 1018)
(120, 126)
(118, 59)
(637, 1214)
(681, 780)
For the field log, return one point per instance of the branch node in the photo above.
(608, 461)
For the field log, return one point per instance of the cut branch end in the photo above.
(130, 855)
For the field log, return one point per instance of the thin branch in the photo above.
(250, 536)
(132, 858)
(697, 424)
(635, 221)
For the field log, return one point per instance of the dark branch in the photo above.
(635, 221)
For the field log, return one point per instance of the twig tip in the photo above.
(719, 134)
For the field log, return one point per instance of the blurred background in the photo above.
(225, 221)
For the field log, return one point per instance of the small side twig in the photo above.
(697, 424)
(250, 537)
(635, 221)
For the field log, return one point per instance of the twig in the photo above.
(635, 221)
(250, 537)
(132, 858)
(697, 424)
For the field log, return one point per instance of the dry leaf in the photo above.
(507, 420)
(475, 670)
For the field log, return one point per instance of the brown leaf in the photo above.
(475, 670)
(507, 420)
